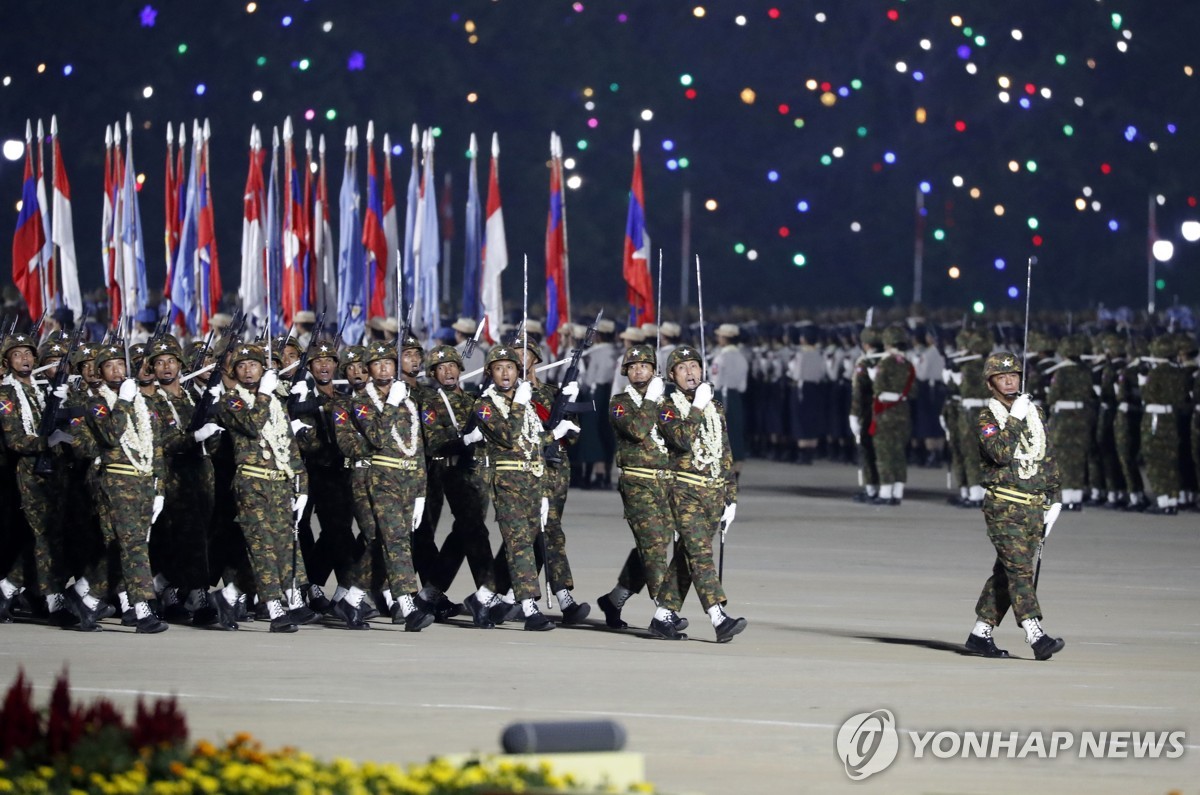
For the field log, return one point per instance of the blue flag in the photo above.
(352, 265)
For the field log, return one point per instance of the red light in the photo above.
(1037, 240)
(773, 13)
(1105, 168)
(784, 231)
(893, 14)
(1030, 88)
(877, 167)
(1191, 201)
(690, 93)
(784, 109)
(827, 86)
(960, 125)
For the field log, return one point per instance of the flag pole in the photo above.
(55, 253)
(562, 192)
(700, 306)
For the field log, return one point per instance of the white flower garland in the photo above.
(708, 454)
(23, 402)
(655, 436)
(137, 441)
(529, 439)
(1031, 446)
(276, 431)
(410, 449)
(171, 405)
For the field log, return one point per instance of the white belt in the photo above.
(891, 397)
(1067, 405)
(973, 403)
(1159, 408)
(1123, 406)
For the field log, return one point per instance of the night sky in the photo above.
(811, 126)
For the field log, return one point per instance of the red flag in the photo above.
(557, 314)
(28, 241)
(637, 249)
(209, 283)
(295, 250)
(374, 238)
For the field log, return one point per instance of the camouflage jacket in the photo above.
(635, 422)
(1001, 467)
(247, 417)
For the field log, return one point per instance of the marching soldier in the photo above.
(891, 420)
(1127, 423)
(1023, 497)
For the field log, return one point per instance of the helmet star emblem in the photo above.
(245, 350)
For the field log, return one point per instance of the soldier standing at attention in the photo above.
(1022, 498)
(891, 421)
(1072, 404)
(1164, 395)
(861, 399)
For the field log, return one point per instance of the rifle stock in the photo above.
(45, 461)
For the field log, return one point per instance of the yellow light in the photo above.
(472, 97)
(710, 205)
(41, 68)
(956, 21)
(469, 26)
(829, 99)
(20, 204)
(748, 96)
(587, 92)
(954, 272)
(472, 39)
(1014, 166)
(811, 84)
(1080, 204)
(998, 209)
(698, 11)
(251, 8)
(1004, 82)
(141, 178)
(975, 193)
(1187, 70)
(920, 115)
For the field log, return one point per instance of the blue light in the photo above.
(963, 51)
(200, 89)
(843, 92)
(1024, 103)
(889, 157)
(925, 187)
(918, 76)
(773, 176)
(397, 150)
(672, 164)
(802, 206)
(287, 21)
(999, 263)
(68, 69)
(1130, 133)
(668, 145)
(924, 211)
(1013, 292)
(1113, 225)
(1171, 128)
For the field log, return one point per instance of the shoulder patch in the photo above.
(99, 410)
(667, 415)
(6, 407)
(429, 416)
(340, 416)
(618, 410)
(235, 403)
(990, 430)
(362, 411)
(484, 412)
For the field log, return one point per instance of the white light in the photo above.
(926, 44)
(647, 114)
(328, 26)
(1163, 250)
(855, 227)
(1079, 102)
(14, 149)
(8, 80)
(1017, 34)
(838, 151)
(1046, 93)
(901, 67)
(574, 181)
(569, 163)
(972, 68)
(820, 16)
(1127, 33)
(1087, 191)
(1095, 206)
(958, 181)
(1122, 47)
(1160, 199)
(256, 96)
(740, 20)
(1004, 97)
(148, 92)
(1153, 146)
(752, 255)
(589, 105)
(1190, 231)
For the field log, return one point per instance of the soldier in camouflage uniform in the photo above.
(1164, 399)
(646, 494)
(1127, 424)
(130, 436)
(1109, 466)
(956, 476)
(974, 390)
(891, 419)
(861, 397)
(1188, 373)
(703, 489)
(270, 483)
(1071, 404)
(1021, 506)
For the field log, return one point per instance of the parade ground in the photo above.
(853, 609)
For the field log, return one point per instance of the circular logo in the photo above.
(867, 743)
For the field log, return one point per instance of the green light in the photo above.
(1060, 59)
(739, 248)
(888, 291)
(683, 162)
(862, 132)
(331, 114)
(581, 144)
(980, 40)
(613, 87)
(939, 234)
(856, 84)
(798, 123)
(1160, 284)
(799, 260)
(826, 160)
(1033, 222)
(1068, 130)
(1116, 21)
(303, 64)
(437, 132)
(685, 80)
(978, 307)
(262, 60)
(182, 49)
(1031, 165)
(968, 32)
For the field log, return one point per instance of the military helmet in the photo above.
(54, 346)
(1163, 347)
(1038, 343)
(411, 341)
(354, 354)
(378, 351)
(19, 341)
(636, 354)
(84, 353)
(323, 349)
(1136, 346)
(137, 351)
(281, 341)
(443, 354)
(999, 363)
(869, 336)
(534, 348)
(106, 353)
(1071, 346)
(501, 353)
(894, 337)
(981, 342)
(684, 353)
(248, 352)
(166, 345)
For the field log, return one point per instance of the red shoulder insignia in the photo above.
(6, 407)
(429, 416)
(99, 410)
(666, 415)
(990, 430)
(618, 410)
(340, 416)
(362, 411)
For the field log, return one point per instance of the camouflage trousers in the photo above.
(558, 568)
(1160, 451)
(393, 494)
(363, 571)
(893, 429)
(179, 543)
(647, 504)
(1015, 531)
(1126, 432)
(958, 467)
(129, 503)
(333, 550)
(517, 497)
(42, 500)
(696, 510)
(466, 492)
(264, 511)
(968, 444)
(1070, 437)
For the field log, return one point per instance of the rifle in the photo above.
(45, 460)
(203, 405)
(36, 333)
(302, 363)
(560, 407)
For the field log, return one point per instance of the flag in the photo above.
(412, 195)
(429, 246)
(108, 225)
(183, 270)
(373, 237)
(208, 280)
(63, 231)
(326, 273)
(274, 235)
(293, 292)
(473, 233)
(170, 210)
(495, 251)
(28, 240)
(254, 240)
(636, 268)
(310, 271)
(352, 297)
(391, 226)
(50, 300)
(557, 312)
(133, 250)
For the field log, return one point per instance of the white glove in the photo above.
(216, 391)
(563, 428)
(1142, 379)
(61, 391)
(571, 391)
(655, 389)
(298, 504)
(300, 390)
(545, 512)
(1096, 389)
(947, 376)
(473, 437)
(871, 372)
(397, 393)
(269, 381)
(206, 431)
(956, 378)
(298, 427)
(129, 390)
(524, 393)
(727, 517)
(1020, 407)
(856, 428)
(1051, 517)
(418, 512)
(703, 396)
(158, 506)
